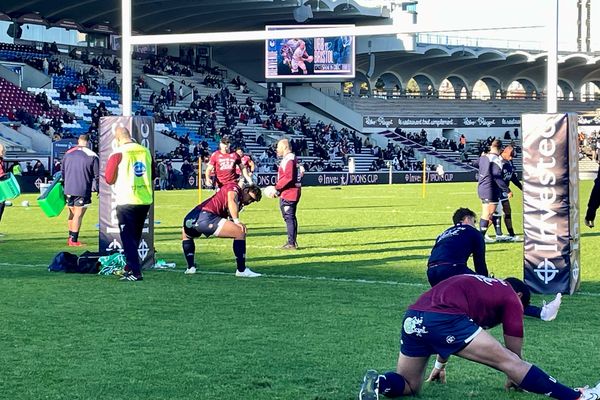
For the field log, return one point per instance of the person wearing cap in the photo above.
(129, 171)
(490, 187)
(80, 172)
(224, 163)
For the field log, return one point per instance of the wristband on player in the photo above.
(439, 365)
(236, 220)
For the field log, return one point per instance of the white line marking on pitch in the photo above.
(300, 277)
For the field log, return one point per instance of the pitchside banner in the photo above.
(142, 131)
(551, 202)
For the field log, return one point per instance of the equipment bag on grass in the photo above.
(63, 261)
(87, 263)
(112, 264)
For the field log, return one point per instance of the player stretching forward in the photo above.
(450, 319)
(210, 218)
(452, 250)
(224, 163)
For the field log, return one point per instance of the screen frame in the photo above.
(313, 77)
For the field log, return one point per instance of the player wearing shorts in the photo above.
(80, 171)
(224, 164)
(503, 209)
(211, 218)
(451, 319)
(490, 185)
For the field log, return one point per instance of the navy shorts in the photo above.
(199, 222)
(425, 333)
(79, 201)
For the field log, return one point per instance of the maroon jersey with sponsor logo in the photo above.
(225, 167)
(487, 301)
(288, 178)
(217, 204)
(246, 163)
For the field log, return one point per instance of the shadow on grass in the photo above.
(301, 254)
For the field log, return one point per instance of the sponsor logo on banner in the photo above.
(548, 201)
(368, 178)
(387, 122)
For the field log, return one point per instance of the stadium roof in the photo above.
(183, 16)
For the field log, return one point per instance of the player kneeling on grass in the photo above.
(211, 218)
(450, 319)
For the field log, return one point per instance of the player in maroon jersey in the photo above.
(450, 318)
(211, 218)
(224, 163)
(247, 162)
(288, 189)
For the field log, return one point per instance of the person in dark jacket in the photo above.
(2, 173)
(593, 203)
(80, 173)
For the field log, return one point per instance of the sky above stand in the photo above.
(482, 13)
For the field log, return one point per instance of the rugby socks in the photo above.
(483, 225)
(189, 248)
(497, 221)
(509, 225)
(391, 384)
(239, 249)
(74, 236)
(537, 381)
(533, 311)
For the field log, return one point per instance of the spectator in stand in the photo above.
(80, 174)
(39, 169)
(163, 175)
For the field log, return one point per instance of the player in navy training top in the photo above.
(453, 248)
(508, 175)
(211, 218)
(449, 319)
(490, 186)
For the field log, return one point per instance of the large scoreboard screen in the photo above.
(311, 57)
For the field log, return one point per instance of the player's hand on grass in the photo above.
(437, 375)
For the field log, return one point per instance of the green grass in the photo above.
(307, 330)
